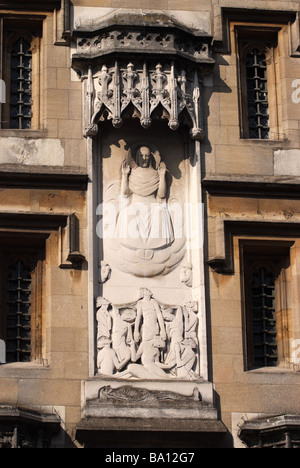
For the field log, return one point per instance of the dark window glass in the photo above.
(20, 90)
(18, 314)
(257, 95)
(264, 319)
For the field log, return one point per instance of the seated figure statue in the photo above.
(144, 222)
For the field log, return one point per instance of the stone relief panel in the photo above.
(133, 396)
(144, 234)
(147, 339)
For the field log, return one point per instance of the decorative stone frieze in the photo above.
(167, 43)
(147, 91)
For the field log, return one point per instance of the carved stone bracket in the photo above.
(71, 257)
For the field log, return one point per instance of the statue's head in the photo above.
(158, 343)
(101, 301)
(168, 314)
(128, 315)
(189, 343)
(144, 157)
(144, 292)
(103, 342)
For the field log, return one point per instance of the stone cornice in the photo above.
(31, 5)
(129, 32)
(42, 178)
(253, 186)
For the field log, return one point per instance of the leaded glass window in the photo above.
(264, 319)
(21, 85)
(257, 95)
(258, 80)
(18, 316)
(267, 324)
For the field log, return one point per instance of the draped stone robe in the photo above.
(144, 222)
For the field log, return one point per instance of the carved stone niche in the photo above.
(147, 72)
(142, 85)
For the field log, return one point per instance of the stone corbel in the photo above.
(62, 26)
(295, 37)
(71, 258)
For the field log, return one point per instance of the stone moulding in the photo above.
(223, 260)
(163, 43)
(46, 5)
(282, 431)
(42, 225)
(228, 15)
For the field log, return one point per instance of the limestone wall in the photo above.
(55, 383)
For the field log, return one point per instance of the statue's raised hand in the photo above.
(125, 168)
(162, 169)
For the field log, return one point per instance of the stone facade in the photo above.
(144, 206)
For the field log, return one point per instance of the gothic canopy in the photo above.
(147, 67)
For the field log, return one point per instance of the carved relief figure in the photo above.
(146, 340)
(107, 361)
(105, 272)
(174, 319)
(191, 320)
(146, 237)
(103, 318)
(150, 367)
(149, 311)
(185, 359)
(122, 338)
(132, 395)
(145, 223)
(186, 275)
